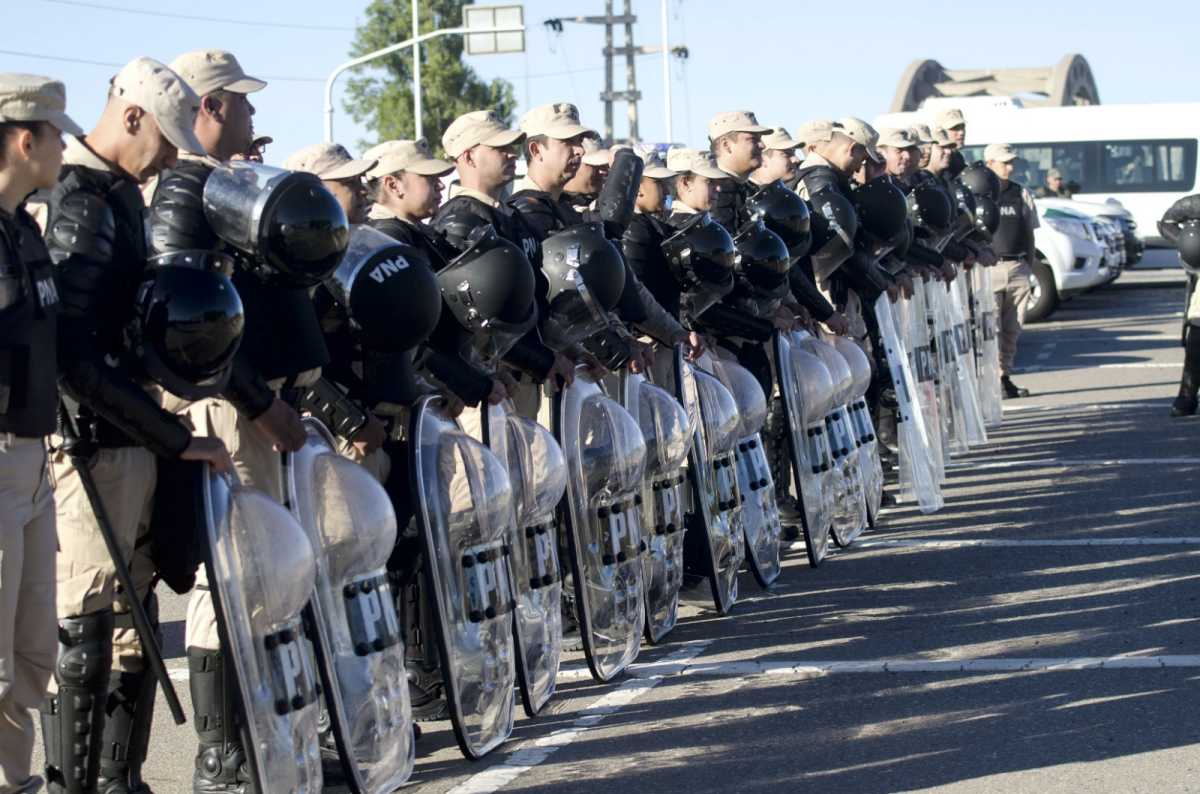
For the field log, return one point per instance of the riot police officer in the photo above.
(32, 121)
(1181, 225)
(341, 174)
(736, 142)
(1015, 248)
(583, 189)
(695, 185)
(951, 120)
(779, 159)
(283, 347)
(901, 150)
(98, 245)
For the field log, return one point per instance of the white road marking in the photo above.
(535, 752)
(1043, 463)
(985, 543)
(744, 669)
(1137, 365)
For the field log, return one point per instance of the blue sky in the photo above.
(787, 61)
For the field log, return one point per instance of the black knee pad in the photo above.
(73, 720)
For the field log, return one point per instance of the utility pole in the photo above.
(631, 94)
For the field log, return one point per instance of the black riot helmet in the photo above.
(784, 213)
(188, 323)
(762, 262)
(930, 206)
(981, 181)
(834, 226)
(290, 225)
(489, 289)
(388, 291)
(964, 198)
(585, 276)
(987, 214)
(881, 208)
(1185, 236)
(701, 257)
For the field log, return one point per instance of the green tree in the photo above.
(382, 97)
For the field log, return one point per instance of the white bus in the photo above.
(1144, 156)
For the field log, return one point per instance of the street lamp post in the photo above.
(413, 43)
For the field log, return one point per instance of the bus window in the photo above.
(1149, 166)
(1038, 158)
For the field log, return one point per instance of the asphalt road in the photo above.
(1037, 635)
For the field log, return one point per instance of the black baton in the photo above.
(76, 450)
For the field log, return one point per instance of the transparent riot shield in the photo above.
(605, 458)
(915, 327)
(863, 426)
(973, 426)
(988, 349)
(538, 474)
(954, 438)
(713, 543)
(760, 512)
(850, 505)
(465, 517)
(261, 571)
(916, 448)
(667, 431)
(807, 390)
(349, 520)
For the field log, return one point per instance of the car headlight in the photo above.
(1071, 228)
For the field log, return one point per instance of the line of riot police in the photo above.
(403, 452)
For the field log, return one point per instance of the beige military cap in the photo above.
(328, 161)
(207, 71)
(781, 140)
(413, 156)
(948, 119)
(594, 154)
(819, 130)
(475, 128)
(734, 121)
(559, 120)
(921, 133)
(694, 161)
(154, 88)
(1000, 153)
(31, 97)
(897, 138)
(863, 134)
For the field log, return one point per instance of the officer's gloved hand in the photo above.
(838, 324)
(370, 436)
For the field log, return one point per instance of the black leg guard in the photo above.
(221, 766)
(129, 712)
(779, 458)
(421, 654)
(1189, 384)
(73, 720)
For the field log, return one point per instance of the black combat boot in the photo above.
(221, 766)
(1011, 390)
(1185, 403)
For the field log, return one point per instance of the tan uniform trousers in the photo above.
(87, 581)
(1010, 283)
(28, 637)
(378, 462)
(1193, 308)
(258, 466)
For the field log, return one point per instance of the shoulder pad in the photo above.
(1185, 209)
(177, 220)
(394, 228)
(458, 217)
(80, 222)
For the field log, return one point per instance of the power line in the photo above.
(88, 62)
(196, 18)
